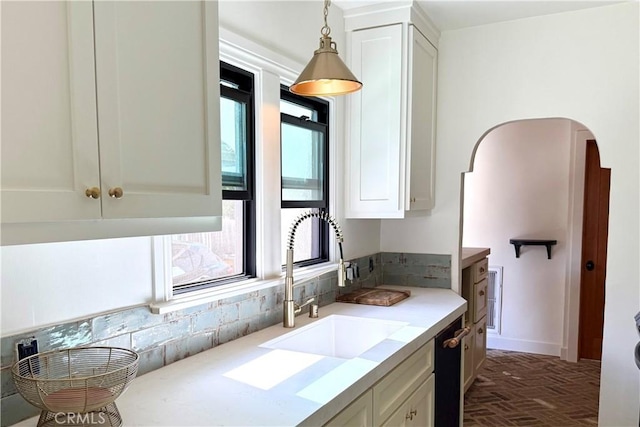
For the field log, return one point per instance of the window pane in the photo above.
(204, 256)
(233, 125)
(306, 245)
(302, 163)
(297, 110)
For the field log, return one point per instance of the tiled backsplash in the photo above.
(420, 270)
(161, 339)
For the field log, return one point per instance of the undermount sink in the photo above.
(336, 335)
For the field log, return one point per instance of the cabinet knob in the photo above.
(480, 330)
(92, 193)
(466, 346)
(481, 293)
(116, 192)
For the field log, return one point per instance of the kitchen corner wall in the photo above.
(163, 339)
(581, 65)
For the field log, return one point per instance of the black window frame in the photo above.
(243, 90)
(320, 124)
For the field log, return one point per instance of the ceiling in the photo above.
(454, 14)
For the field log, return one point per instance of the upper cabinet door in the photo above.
(49, 131)
(158, 108)
(390, 155)
(423, 69)
(375, 148)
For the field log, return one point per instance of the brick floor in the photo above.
(521, 389)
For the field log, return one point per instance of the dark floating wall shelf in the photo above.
(518, 243)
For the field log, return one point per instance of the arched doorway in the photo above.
(527, 179)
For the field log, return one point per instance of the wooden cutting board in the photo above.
(374, 296)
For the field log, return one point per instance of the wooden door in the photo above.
(158, 88)
(49, 129)
(594, 255)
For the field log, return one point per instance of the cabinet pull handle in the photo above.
(92, 193)
(411, 414)
(480, 330)
(481, 293)
(453, 342)
(466, 346)
(116, 192)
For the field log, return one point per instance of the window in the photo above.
(304, 153)
(201, 260)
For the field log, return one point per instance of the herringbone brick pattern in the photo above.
(521, 389)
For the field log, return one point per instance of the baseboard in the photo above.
(525, 346)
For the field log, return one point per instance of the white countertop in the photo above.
(242, 384)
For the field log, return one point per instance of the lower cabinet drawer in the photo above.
(480, 270)
(399, 384)
(418, 409)
(480, 300)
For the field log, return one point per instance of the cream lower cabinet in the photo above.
(480, 346)
(357, 414)
(418, 409)
(468, 347)
(405, 396)
(110, 110)
(390, 155)
(474, 290)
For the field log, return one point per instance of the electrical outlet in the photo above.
(351, 266)
(26, 348)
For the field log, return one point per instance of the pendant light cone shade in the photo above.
(325, 74)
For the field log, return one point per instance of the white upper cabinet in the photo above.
(421, 126)
(158, 107)
(110, 110)
(390, 152)
(373, 148)
(49, 127)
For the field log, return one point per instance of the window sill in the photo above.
(237, 288)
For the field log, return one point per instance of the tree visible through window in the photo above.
(202, 260)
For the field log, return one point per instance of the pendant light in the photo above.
(325, 74)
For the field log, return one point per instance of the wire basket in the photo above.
(78, 380)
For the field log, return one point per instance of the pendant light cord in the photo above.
(325, 31)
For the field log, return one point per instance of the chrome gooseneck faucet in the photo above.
(290, 307)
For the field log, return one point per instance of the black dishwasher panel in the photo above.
(447, 370)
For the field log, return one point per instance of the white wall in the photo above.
(292, 28)
(51, 283)
(48, 283)
(519, 188)
(580, 65)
